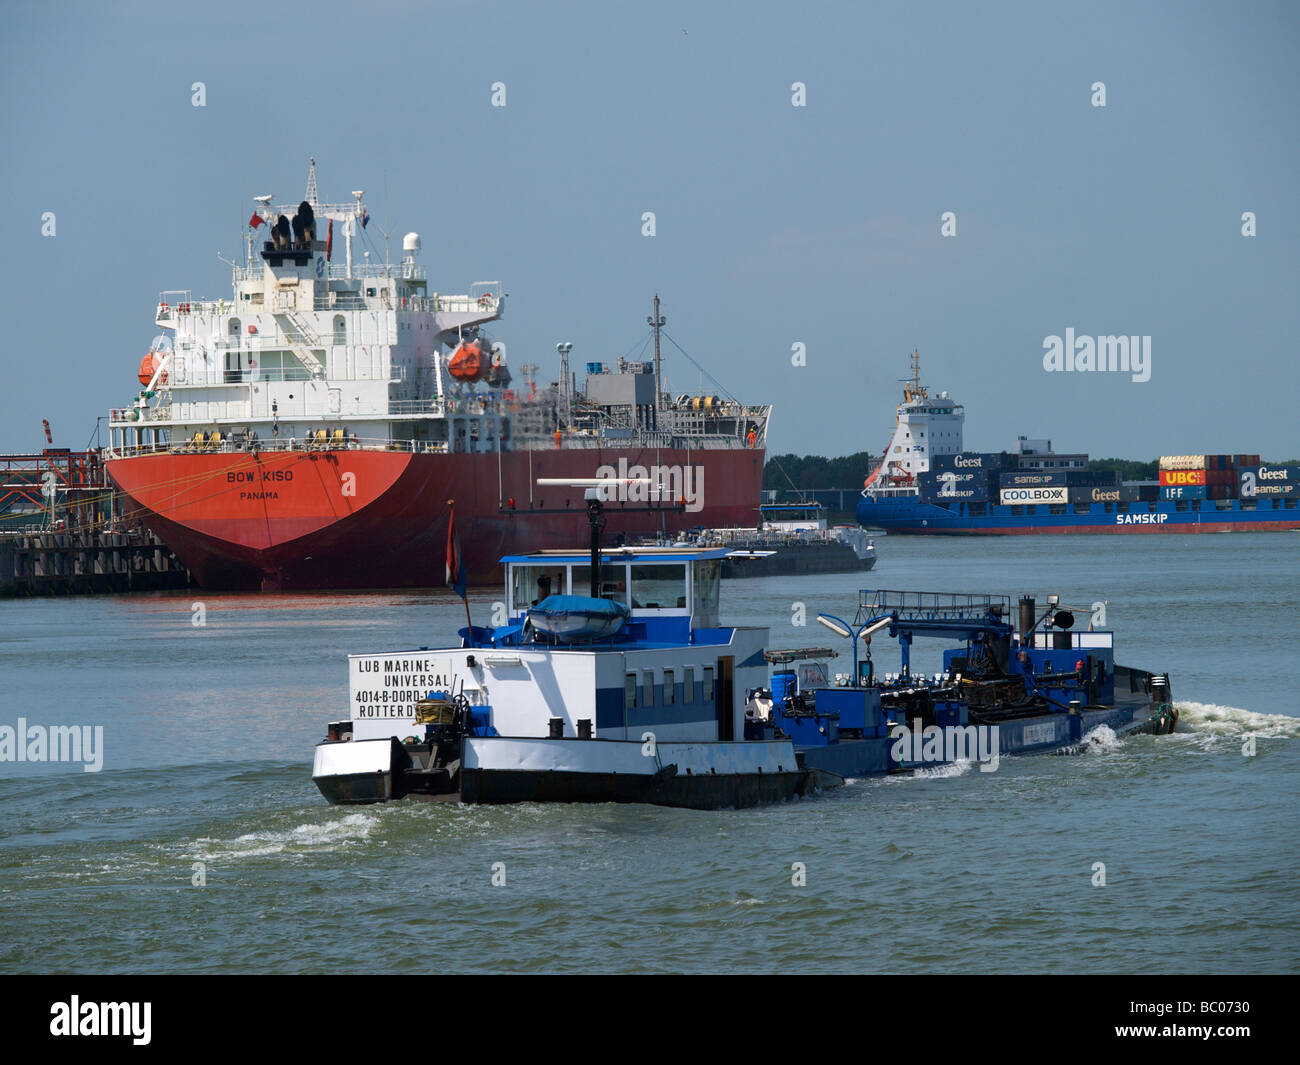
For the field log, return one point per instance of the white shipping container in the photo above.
(1182, 462)
(1025, 496)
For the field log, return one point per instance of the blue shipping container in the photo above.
(1183, 491)
(967, 460)
(1035, 479)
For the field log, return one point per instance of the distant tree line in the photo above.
(1129, 469)
(811, 472)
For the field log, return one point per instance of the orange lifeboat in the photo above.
(468, 363)
(149, 366)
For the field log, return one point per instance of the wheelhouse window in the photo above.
(705, 598)
(658, 587)
(613, 581)
(529, 585)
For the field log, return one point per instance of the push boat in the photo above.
(636, 693)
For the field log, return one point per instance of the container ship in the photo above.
(319, 428)
(926, 483)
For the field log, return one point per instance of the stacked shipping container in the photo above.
(993, 477)
(1225, 477)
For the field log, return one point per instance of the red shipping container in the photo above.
(1182, 477)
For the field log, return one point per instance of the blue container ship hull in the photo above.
(925, 483)
(908, 514)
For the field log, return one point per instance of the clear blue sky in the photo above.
(776, 224)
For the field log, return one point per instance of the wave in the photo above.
(1101, 739)
(1234, 721)
(938, 772)
(318, 837)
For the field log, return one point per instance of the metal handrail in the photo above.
(456, 304)
(931, 605)
(233, 445)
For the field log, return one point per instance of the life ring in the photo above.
(183, 308)
(484, 300)
(163, 309)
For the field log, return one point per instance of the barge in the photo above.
(612, 679)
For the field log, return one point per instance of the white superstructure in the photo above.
(925, 427)
(312, 349)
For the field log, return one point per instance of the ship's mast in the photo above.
(657, 322)
(914, 391)
(310, 197)
(566, 396)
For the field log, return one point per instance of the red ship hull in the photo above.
(378, 519)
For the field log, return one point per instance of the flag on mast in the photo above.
(457, 579)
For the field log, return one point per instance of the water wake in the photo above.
(319, 837)
(1234, 721)
(938, 772)
(1100, 740)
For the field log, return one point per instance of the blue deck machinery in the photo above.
(1035, 684)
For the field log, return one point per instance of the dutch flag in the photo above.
(456, 576)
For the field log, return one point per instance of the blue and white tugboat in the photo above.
(611, 680)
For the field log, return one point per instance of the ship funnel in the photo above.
(304, 225)
(1028, 610)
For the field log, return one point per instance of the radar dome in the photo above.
(411, 243)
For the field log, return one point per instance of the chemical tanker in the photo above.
(926, 483)
(314, 430)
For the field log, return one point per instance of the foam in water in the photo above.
(1234, 721)
(1102, 739)
(938, 772)
(320, 837)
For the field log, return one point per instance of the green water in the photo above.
(208, 736)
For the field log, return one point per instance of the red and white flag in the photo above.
(457, 579)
